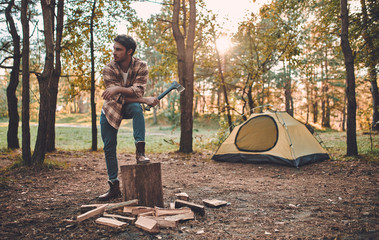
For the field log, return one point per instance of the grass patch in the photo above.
(335, 143)
(73, 133)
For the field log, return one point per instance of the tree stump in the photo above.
(142, 182)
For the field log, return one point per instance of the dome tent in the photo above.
(273, 137)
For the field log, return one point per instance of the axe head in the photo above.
(177, 86)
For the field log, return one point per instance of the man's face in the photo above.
(119, 52)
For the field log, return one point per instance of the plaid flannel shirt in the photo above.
(137, 80)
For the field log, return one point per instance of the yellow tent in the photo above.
(274, 137)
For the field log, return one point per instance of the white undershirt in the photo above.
(125, 75)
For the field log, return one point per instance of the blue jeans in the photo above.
(109, 135)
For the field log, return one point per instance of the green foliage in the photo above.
(222, 133)
(76, 51)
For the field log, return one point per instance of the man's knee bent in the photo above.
(131, 109)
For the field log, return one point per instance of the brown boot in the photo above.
(140, 153)
(113, 192)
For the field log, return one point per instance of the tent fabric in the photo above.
(271, 137)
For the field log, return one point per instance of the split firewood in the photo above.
(182, 196)
(128, 209)
(147, 224)
(163, 223)
(181, 217)
(167, 212)
(122, 204)
(135, 210)
(195, 207)
(110, 222)
(88, 207)
(138, 210)
(130, 219)
(150, 213)
(214, 203)
(172, 205)
(94, 212)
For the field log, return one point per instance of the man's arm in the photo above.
(151, 101)
(112, 91)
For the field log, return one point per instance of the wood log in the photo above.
(143, 182)
(121, 204)
(195, 207)
(147, 224)
(110, 222)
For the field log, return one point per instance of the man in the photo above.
(125, 79)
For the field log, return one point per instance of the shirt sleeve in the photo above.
(110, 80)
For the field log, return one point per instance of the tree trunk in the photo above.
(250, 99)
(93, 103)
(54, 82)
(343, 127)
(308, 100)
(40, 146)
(371, 63)
(12, 135)
(325, 96)
(185, 57)
(26, 151)
(351, 140)
(287, 90)
(48, 81)
(315, 109)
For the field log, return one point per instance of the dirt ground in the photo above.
(327, 200)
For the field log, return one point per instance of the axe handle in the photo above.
(147, 108)
(162, 95)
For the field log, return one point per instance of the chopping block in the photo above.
(142, 182)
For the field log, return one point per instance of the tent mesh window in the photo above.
(258, 134)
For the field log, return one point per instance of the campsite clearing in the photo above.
(325, 200)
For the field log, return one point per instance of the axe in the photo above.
(174, 85)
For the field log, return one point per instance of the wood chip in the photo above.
(182, 196)
(214, 203)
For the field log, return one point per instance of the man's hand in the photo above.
(151, 101)
(110, 92)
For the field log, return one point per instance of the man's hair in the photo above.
(127, 41)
